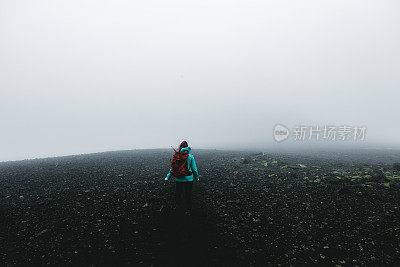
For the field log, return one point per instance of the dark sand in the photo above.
(328, 208)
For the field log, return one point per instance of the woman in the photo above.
(183, 168)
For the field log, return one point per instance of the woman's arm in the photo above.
(168, 175)
(194, 169)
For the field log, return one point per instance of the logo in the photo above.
(327, 133)
(280, 133)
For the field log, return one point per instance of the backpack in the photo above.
(179, 165)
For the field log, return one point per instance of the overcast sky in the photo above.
(88, 76)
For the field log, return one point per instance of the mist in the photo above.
(89, 76)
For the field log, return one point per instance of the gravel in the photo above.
(249, 208)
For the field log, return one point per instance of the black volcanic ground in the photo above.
(330, 208)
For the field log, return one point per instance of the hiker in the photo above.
(183, 168)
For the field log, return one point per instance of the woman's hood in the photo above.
(186, 149)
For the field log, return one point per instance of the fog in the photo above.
(89, 76)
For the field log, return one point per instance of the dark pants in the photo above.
(184, 191)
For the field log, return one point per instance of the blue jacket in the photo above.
(191, 167)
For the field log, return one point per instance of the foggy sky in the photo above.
(88, 76)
